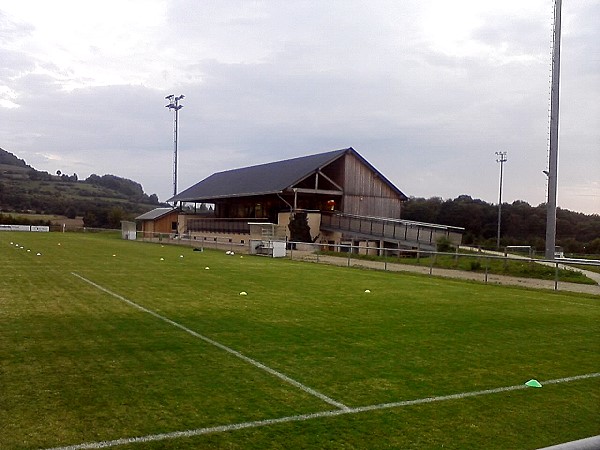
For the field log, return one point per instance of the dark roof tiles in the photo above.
(154, 214)
(270, 178)
(262, 179)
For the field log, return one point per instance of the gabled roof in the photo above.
(270, 178)
(155, 214)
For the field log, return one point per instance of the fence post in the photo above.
(556, 277)
(487, 263)
(431, 264)
(349, 253)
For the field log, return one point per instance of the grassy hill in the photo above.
(98, 199)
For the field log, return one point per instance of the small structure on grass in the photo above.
(128, 230)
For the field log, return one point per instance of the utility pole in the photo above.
(175, 106)
(501, 159)
(553, 148)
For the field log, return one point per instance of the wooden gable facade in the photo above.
(367, 192)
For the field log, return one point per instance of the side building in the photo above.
(158, 221)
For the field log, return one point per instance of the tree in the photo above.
(115, 216)
(89, 219)
(299, 228)
(71, 212)
(522, 224)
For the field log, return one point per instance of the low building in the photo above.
(158, 221)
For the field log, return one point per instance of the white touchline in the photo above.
(221, 346)
(303, 417)
(581, 304)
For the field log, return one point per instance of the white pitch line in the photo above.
(249, 360)
(304, 417)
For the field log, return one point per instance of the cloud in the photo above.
(426, 90)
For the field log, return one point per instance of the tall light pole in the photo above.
(175, 106)
(501, 159)
(553, 148)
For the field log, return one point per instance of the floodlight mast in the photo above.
(552, 171)
(501, 159)
(175, 106)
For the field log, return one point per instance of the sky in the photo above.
(426, 90)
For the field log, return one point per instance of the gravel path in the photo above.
(448, 273)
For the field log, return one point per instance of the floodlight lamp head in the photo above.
(181, 97)
(170, 97)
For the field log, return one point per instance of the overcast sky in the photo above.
(426, 90)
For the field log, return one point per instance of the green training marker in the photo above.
(533, 383)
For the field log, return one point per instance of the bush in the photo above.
(444, 245)
(475, 266)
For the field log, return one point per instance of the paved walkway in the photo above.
(449, 273)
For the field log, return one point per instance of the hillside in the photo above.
(99, 199)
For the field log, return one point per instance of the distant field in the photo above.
(36, 216)
(104, 340)
(54, 218)
(44, 217)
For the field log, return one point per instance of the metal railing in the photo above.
(415, 233)
(216, 225)
(474, 266)
(198, 241)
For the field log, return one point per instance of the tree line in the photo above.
(521, 223)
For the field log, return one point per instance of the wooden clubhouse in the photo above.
(344, 198)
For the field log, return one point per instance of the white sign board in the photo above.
(38, 228)
(15, 228)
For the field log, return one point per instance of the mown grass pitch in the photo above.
(125, 357)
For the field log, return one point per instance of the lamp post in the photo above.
(175, 106)
(501, 159)
(552, 171)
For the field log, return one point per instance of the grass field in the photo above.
(102, 342)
